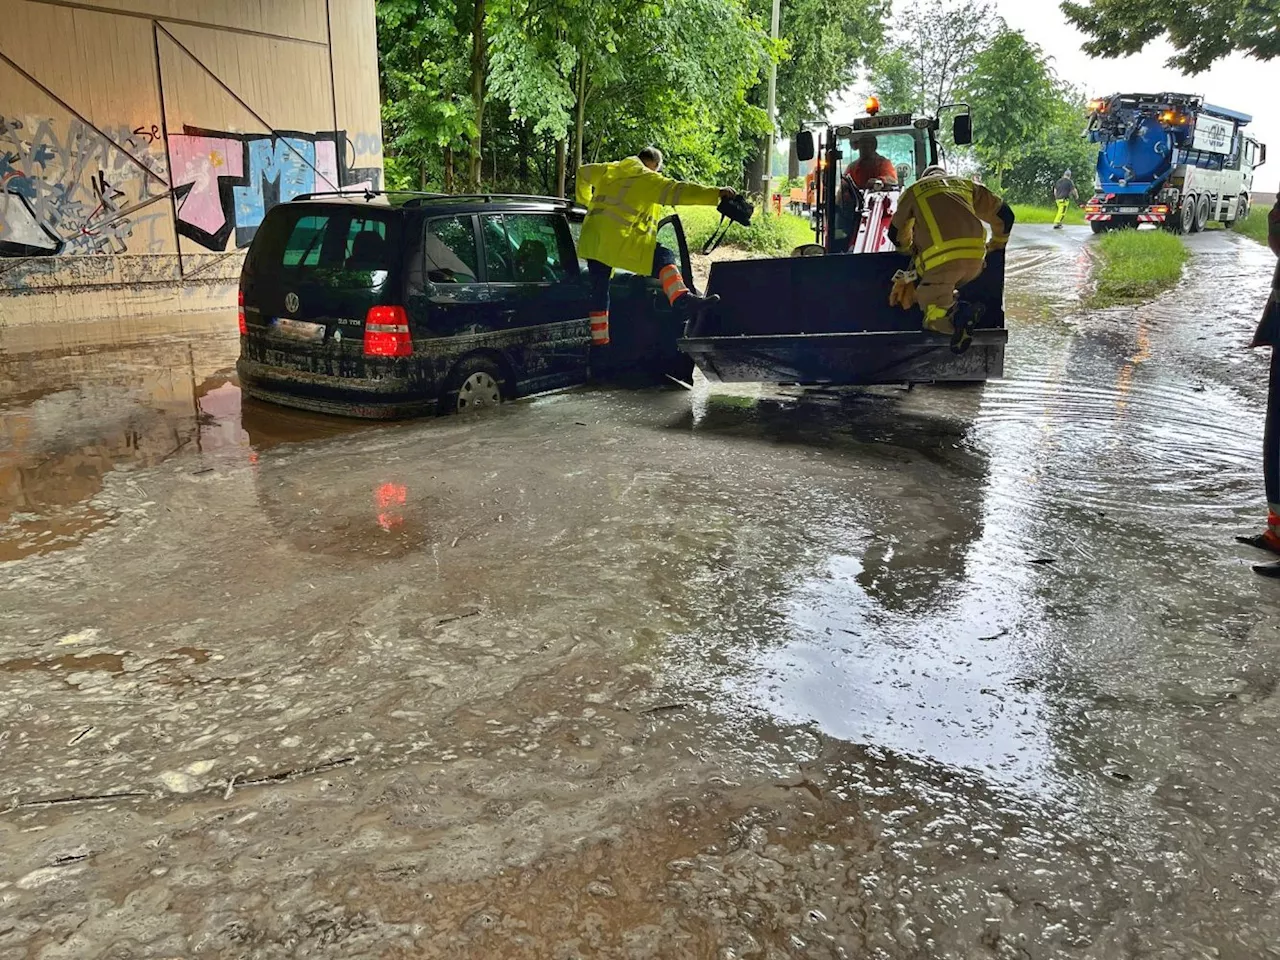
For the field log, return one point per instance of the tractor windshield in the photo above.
(905, 149)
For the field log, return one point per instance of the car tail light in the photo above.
(244, 327)
(386, 333)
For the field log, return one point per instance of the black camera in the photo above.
(737, 208)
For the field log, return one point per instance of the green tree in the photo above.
(895, 80)
(1202, 31)
(1061, 146)
(425, 118)
(936, 52)
(1014, 96)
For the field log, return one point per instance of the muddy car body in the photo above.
(383, 305)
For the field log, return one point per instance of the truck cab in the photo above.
(849, 219)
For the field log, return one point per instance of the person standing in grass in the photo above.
(1268, 335)
(1064, 191)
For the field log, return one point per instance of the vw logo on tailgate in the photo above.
(291, 302)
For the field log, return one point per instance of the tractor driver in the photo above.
(870, 165)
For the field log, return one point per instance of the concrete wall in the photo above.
(141, 142)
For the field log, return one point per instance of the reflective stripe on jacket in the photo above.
(624, 202)
(941, 218)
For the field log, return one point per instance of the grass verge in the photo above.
(1133, 266)
(1254, 226)
(1035, 213)
(772, 236)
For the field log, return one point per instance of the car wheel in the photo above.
(475, 384)
(1202, 213)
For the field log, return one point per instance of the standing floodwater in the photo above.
(963, 672)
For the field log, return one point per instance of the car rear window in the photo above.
(326, 241)
(306, 240)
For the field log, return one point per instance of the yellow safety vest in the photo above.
(624, 203)
(949, 212)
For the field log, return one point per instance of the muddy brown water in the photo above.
(737, 673)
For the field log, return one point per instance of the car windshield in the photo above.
(898, 148)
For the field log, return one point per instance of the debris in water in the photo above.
(665, 707)
(1044, 560)
(1004, 632)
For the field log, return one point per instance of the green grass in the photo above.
(1254, 225)
(1133, 266)
(771, 236)
(1035, 213)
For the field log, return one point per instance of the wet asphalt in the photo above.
(948, 672)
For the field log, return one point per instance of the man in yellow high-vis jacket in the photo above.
(624, 202)
(940, 222)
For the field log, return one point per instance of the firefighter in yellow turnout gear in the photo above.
(940, 222)
(624, 203)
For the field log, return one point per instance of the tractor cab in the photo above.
(853, 207)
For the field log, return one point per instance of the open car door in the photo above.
(644, 332)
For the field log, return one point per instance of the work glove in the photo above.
(903, 293)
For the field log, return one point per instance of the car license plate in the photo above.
(299, 329)
(1128, 210)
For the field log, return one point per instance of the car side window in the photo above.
(449, 248)
(497, 250)
(539, 247)
(306, 241)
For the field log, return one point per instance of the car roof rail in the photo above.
(366, 193)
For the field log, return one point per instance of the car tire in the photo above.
(1202, 213)
(476, 383)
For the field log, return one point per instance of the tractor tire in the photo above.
(1202, 213)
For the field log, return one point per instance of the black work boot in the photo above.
(1261, 541)
(690, 305)
(1270, 570)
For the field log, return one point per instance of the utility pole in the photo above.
(773, 110)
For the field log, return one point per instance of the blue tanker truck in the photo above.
(1169, 159)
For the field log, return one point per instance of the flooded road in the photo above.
(957, 673)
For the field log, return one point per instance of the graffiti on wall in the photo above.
(226, 182)
(74, 189)
(71, 188)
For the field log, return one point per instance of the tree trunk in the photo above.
(561, 149)
(755, 171)
(422, 173)
(793, 162)
(477, 91)
(579, 121)
(449, 177)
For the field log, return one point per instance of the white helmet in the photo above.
(936, 170)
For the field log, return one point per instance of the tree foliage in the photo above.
(1201, 31)
(1014, 95)
(516, 93)
(927, 60)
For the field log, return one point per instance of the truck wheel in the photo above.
(1187, 216)
(1242, 207)
(1099, 226)
(1202, 213)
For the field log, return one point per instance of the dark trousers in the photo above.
(599, 273)
(1271, 434)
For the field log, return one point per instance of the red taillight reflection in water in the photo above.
(387, 497)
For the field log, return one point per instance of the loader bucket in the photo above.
(827, 320)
